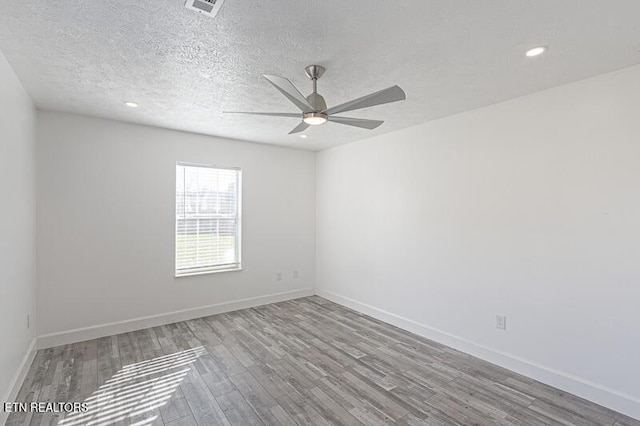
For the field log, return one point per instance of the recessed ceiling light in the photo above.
(304, 136)
(536, 51)
(131, 104)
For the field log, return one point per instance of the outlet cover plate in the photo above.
(501, 322)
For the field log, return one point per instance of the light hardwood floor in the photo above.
(306, 361)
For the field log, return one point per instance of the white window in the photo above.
(207, 219)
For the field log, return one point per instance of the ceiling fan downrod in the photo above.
(314, 72)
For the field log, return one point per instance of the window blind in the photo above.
(207, 219)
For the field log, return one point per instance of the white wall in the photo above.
(529, 208)
(106, 223)
(17, 228)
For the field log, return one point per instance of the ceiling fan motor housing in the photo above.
(317, 102)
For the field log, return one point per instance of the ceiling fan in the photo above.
(314, 108)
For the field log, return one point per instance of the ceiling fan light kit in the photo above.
(314, 118)
(314, 111)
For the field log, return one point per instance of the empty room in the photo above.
(229, 212)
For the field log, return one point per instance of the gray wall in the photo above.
(17, 227)
(528, 209)
(106, 221)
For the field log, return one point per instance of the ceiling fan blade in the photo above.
(289, 90)
(391, 94)
(272, 114)
(357, 122)
(299, 128)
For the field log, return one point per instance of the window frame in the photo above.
(238, 246)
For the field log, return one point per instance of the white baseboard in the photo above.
(18, 378)
(602, 395)
(97, 331)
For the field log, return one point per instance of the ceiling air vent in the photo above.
(206, 7)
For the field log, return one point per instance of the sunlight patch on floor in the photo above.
(136, 389)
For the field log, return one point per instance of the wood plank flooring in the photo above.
(306, 361)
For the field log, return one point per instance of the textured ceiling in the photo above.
(184, 69)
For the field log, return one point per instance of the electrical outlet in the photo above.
(501, 322)
(296, 275)
(278, 276)
(28, 320)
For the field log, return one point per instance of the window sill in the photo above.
(191, 274)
